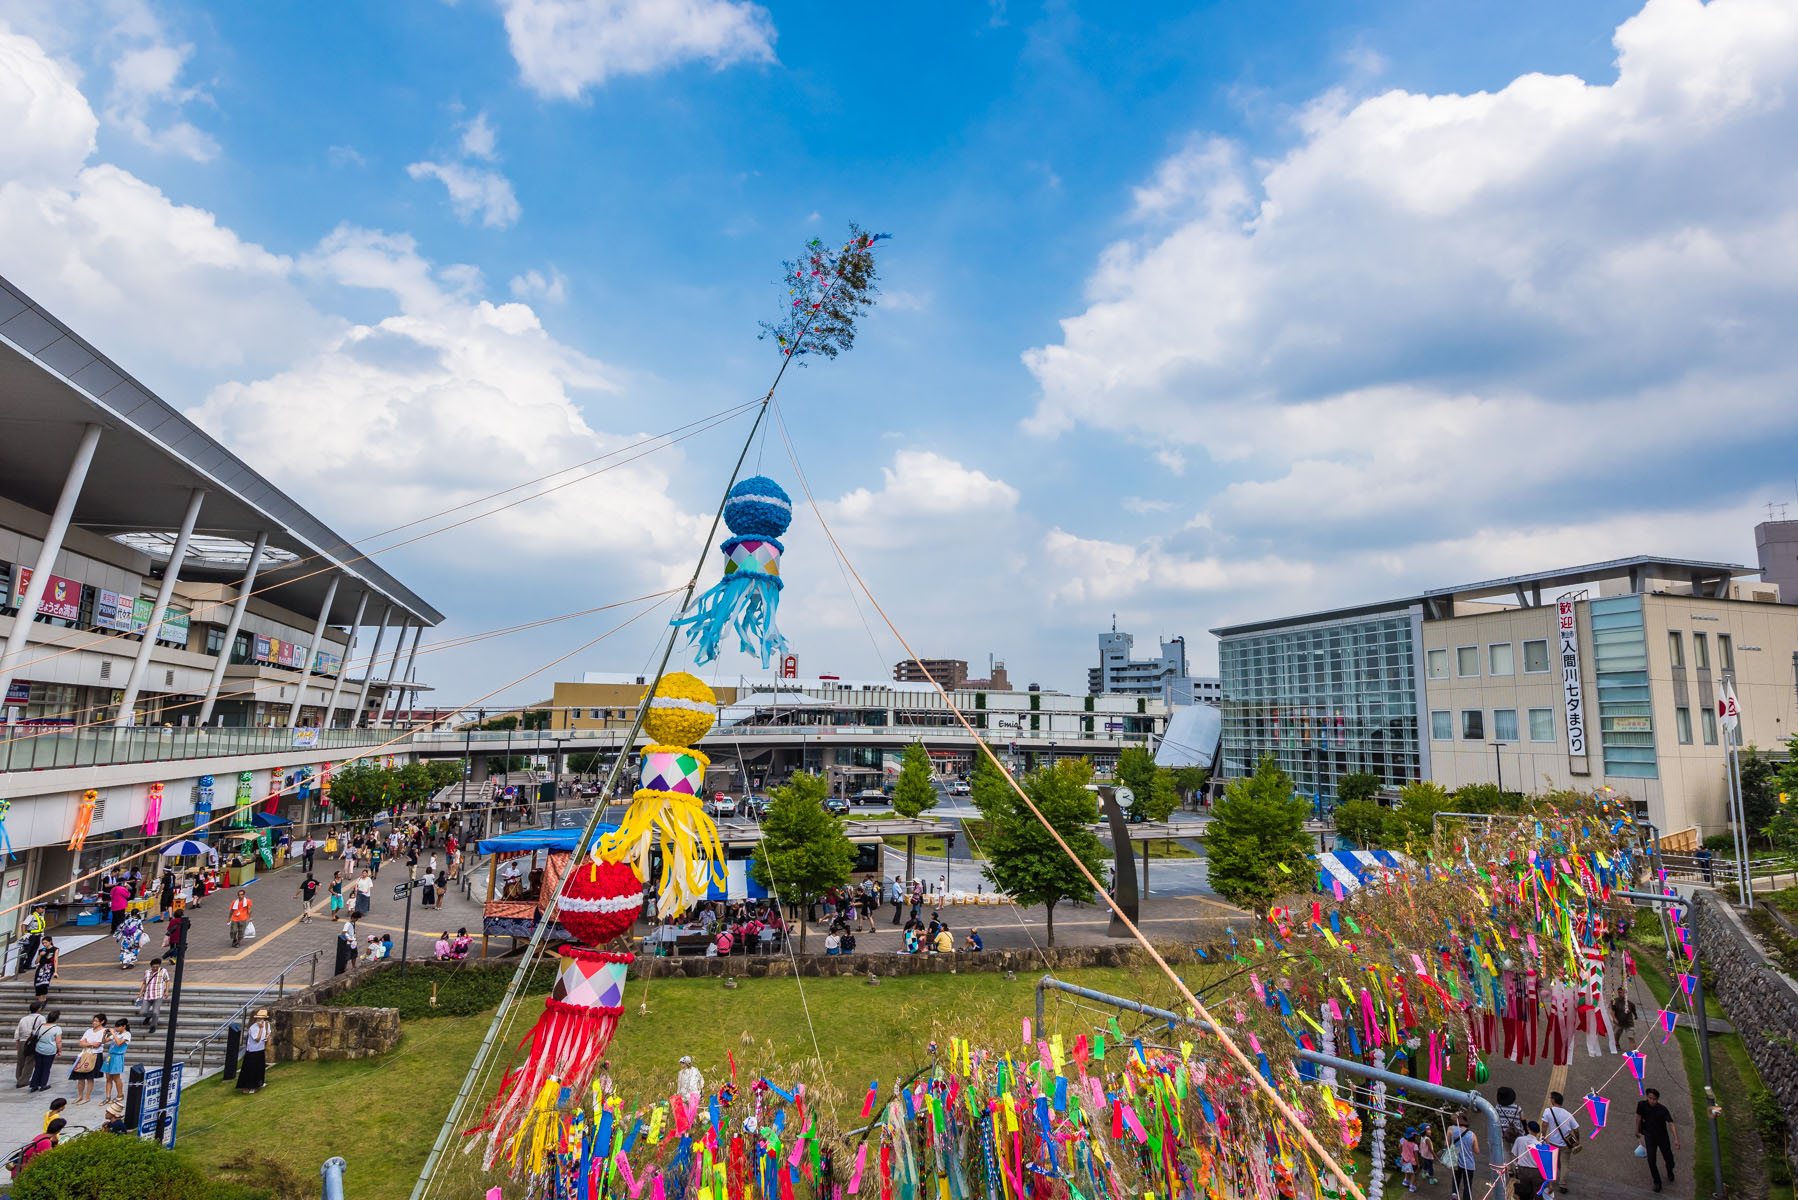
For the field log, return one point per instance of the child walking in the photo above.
(1407, 1159)
(1426, 1153)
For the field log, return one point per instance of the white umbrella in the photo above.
(185, 847)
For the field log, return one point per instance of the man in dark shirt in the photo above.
(1655, 1125)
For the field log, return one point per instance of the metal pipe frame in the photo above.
(368, 671)
(311, 655)
(349, 649)
(1495, 1150)
(232, 626)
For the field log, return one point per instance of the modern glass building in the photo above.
(1327, 696)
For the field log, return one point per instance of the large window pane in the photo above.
(1535, 657)
(1442, 725)
(1504, 724)
(1473, 725)
(1438, 664)
(1676, 649)
(1701, 651)
(1710, 727)
(1682, 723)
(1499, 660)
(1542, 724)
(1467, 661)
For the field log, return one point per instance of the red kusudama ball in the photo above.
(599, 901)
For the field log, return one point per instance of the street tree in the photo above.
(912, 795)
(1356, 785)
(1136, 770)
(1023, 860)
(1191, 780)
(804, 851)
(1257, 829)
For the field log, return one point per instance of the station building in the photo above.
(169, 620)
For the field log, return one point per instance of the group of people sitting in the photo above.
(738, 928)
(453, 949)
(935, 937)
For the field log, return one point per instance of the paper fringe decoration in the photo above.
(203, 808)
(758, 511)
(672, 776)
(565, 1048)
(5, 841)
(84, 819)
(153, 810)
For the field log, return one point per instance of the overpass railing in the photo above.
(50, 747)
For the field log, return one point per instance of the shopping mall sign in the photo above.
(1573, 692)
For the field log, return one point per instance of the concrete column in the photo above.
(128, 704)
(311, 655)
(231, 627)
(348, 649)
(411, 671)
(391, 693)
(368, 668)
(46, 558)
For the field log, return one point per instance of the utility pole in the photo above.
(168, 1045)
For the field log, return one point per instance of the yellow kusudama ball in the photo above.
(681, 711)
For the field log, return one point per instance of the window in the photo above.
(1701, 651)
(1438, 664)
(1676, 649)
(1726, 653)
(1535, 657)
(1442, 725)
(1542, 724)
(1473, 725)
(1499, 659)
(1467, 661)
(1682, 721)
(1504, 724)
(1710, 726)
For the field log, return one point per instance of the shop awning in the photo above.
(526, 841)
(269, 820)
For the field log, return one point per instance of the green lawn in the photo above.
(382, 1115)
(1164, 849)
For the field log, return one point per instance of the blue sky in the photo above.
(1192, 313)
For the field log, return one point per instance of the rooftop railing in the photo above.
(51, 747)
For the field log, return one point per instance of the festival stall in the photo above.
(524, 869)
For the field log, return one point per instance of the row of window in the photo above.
(1501, 659)
(1701, 651)
(1504, 725)
(1682, 725)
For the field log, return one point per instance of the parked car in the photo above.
(837, 805)
(960, 788)
(870, 796)
(721, 805)
(755, 807)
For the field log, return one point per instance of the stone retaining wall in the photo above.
(1023, 962)
(1760, 1000)
(305, 1028)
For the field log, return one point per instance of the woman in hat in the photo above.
(253, 1071)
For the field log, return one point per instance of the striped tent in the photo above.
(1352, 868)
(738, 883)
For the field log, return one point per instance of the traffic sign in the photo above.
(400, 890)
(146, 1124)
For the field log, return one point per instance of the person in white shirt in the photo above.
(1525, 1174)
(365, 890)
(1559, 1128)
(689, 1082)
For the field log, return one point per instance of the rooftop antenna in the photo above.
(1114, 622)
(1773, 515)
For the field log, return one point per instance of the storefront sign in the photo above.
(62, 597)
(264, 648)
(305, 739)
(1572, 690)
(173, 629)
(18, 692)
(114, 610)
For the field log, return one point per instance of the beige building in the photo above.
(1653, 641)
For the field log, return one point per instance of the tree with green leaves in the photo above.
(1190, 781)
(1257, 829)
(1163, 798)
(804, 852)
(1419, 802)
(1356, 785)
(1366, 824)
(1136, 770)
(913, 794)
(1760, 789)
(1022, 858)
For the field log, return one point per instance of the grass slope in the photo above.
(382, 1115)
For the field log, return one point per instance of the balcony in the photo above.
(46, 748)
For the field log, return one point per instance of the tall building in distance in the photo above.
(1166, 676)
(950, 672)
(1776, 545)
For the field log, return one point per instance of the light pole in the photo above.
(1498, 765)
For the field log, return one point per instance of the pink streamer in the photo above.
(861, 1164)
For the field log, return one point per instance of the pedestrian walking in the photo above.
(1526, 1176)
(307, 855)
(131, 937)
(24, 1039)
(1560, 1129)
(1426, 1153)
(151, 992)
(88, 1050)
(1463, 1150)
(240, 916)
(34, 936)
(171, 942)
(45, 1049)
(336, 893)
(346, 944)
(307, 890)
(252, 1072)
(365, 892)
(121, 903)
(1654, 1125)
(114, 1070)
(896, 894)
(43, 971)
(442, 887)
(430, 891)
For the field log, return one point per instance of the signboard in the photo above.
(789, 667)
(146, 1123)
(114, 610)
(62, 597)
(1632, 724)
(305, 739)
(18, 692)
(1573, 692)
(264, 647)
(400, 890)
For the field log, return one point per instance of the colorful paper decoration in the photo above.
(203, 807)
(681, 711)
(1638, 1062)
(153, 810)
(1597, 1107)
(84, 819)
(757, 510)
(599, 900)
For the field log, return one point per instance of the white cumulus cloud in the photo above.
(474, 192)
(564, 47)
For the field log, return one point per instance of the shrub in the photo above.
(1721, 843)
(103, 1166)
(461, 991)
(1356, 785)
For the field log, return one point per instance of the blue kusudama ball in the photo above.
(758, 507)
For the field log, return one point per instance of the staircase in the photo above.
(204, 1012)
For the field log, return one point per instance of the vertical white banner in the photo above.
(1573, 692)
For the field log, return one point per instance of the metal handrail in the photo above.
(277, 985)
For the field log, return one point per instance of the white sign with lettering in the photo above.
(1572, 690)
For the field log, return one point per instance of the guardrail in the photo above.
(277, 987)
(51, 747)
(524, 741)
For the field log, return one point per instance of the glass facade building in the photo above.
(1326, 699)
(1625, 707)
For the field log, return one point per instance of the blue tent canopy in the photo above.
(526, 841)
(269, 820)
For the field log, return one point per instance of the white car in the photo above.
(721, 805)
(958, 788)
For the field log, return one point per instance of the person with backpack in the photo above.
(24, 1037)
(1510, 1115)
(1463, 1150)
